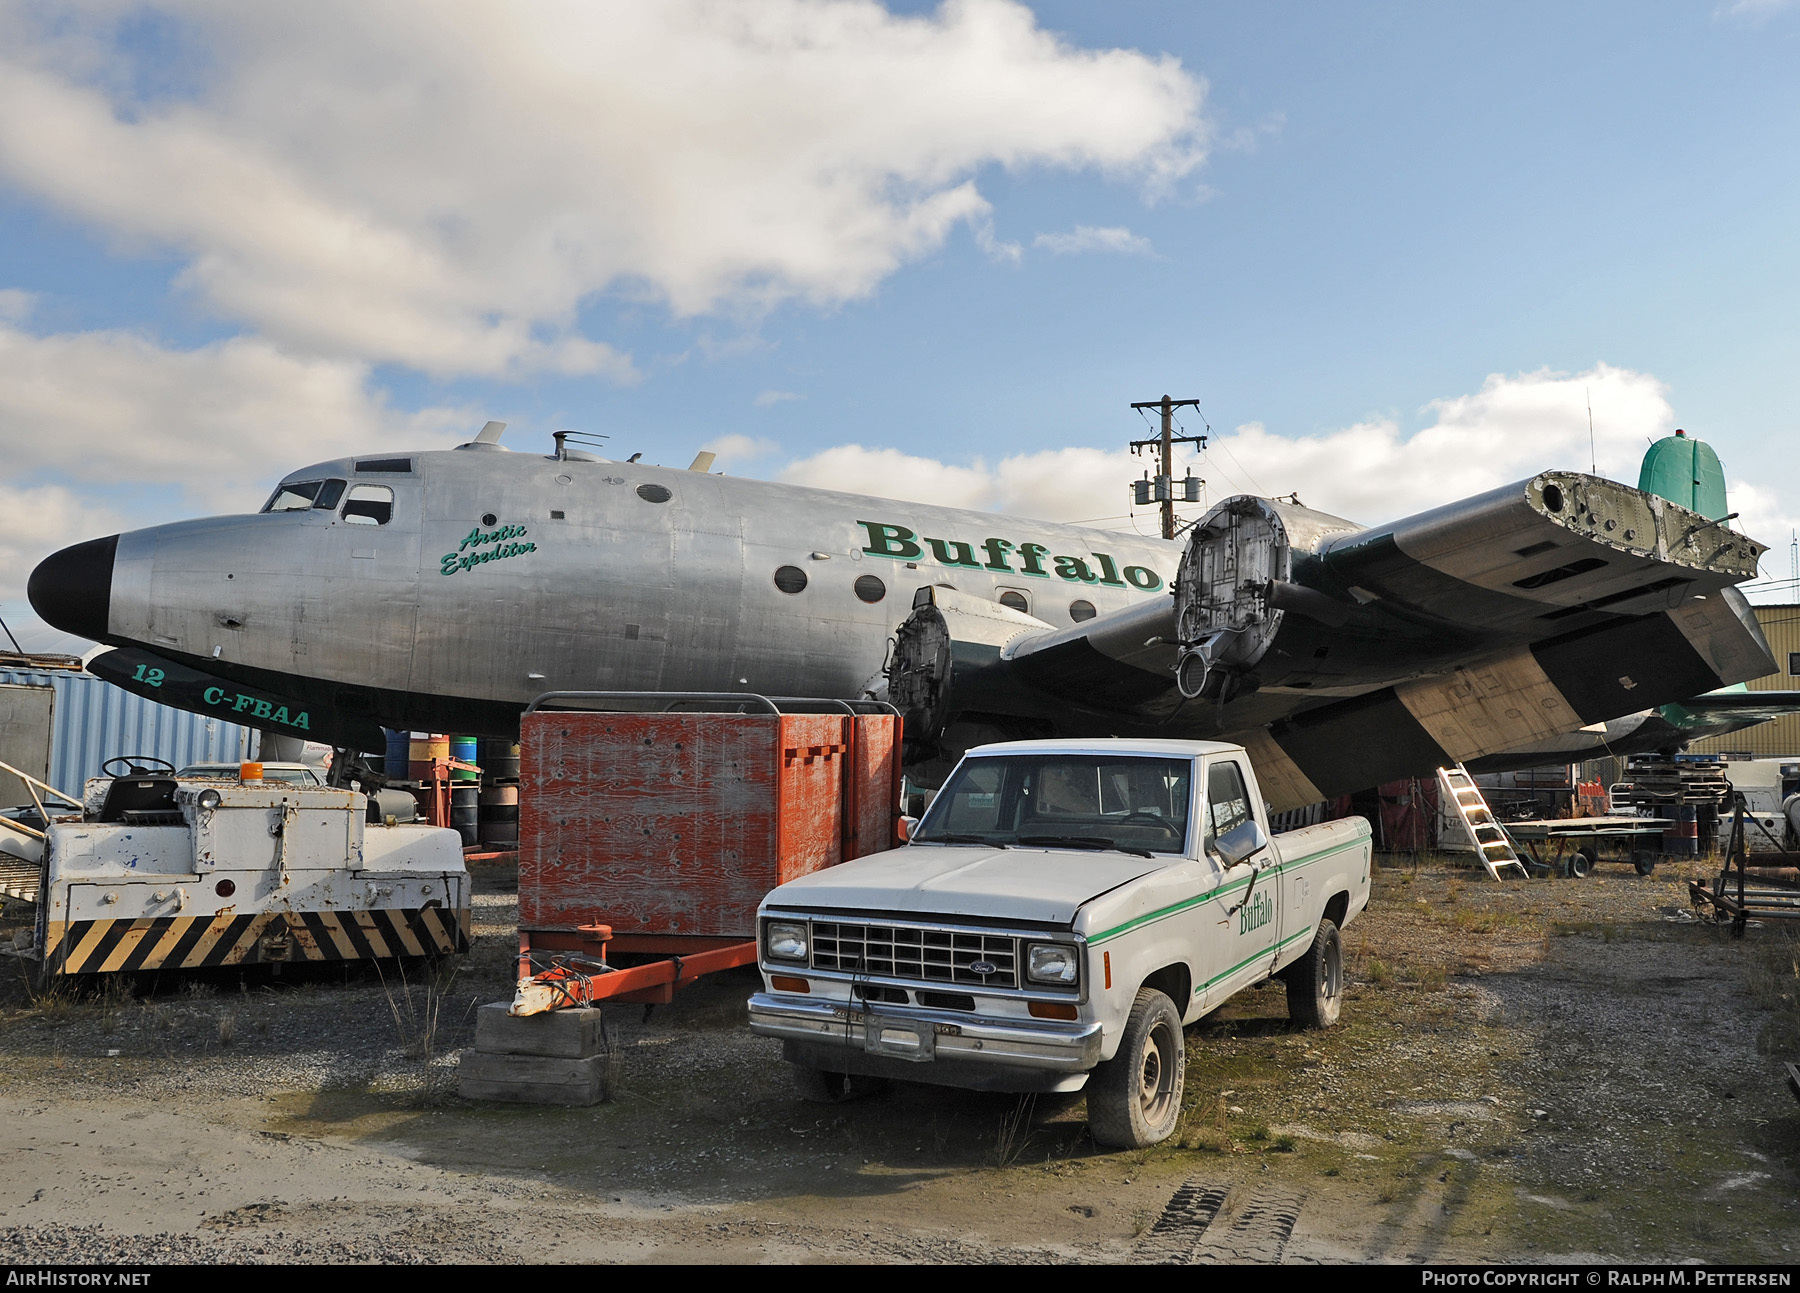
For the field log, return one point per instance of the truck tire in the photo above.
(1315, 983)
(1134, 1099)
(816, 1086)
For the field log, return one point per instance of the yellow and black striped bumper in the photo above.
(194, 942)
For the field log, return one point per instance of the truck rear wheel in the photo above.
(1134, 1099)
(1315, 983)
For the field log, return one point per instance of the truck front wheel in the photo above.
(1315, 983)
(1134, 1099)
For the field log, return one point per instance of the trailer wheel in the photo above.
(1315, 983)
(816, 1086)
(1644, 861)
(1581, 864)
(1134, 1099)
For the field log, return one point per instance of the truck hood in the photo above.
(1004, 885)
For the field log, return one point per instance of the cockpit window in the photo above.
(295, 497)
(369, 505)
(303, 495)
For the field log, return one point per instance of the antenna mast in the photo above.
(1164, 487)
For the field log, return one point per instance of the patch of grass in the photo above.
(417, 1013)
(1014, 1133)
(1284, 1145)
(1376, 971)
(1258, 1133)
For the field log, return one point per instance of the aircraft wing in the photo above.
(1344, 656)
(1728, 711)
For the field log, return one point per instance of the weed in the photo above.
(1376, 971)
(1141, 1221)
(1332, 1171)
(1014, 1133)
(1258, 1133)
(417, 1022)
(194, 990)
(1452, 892)
(227, 1028)
(1431, 978)
(1284, 1144)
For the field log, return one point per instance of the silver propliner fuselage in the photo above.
(489, 577)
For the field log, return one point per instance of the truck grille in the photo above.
(925, 955)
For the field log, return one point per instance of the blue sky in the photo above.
(1395, 250)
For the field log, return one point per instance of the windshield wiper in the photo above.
(1083, 842)
(960, 839)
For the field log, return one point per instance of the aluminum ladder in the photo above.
(1492, 844)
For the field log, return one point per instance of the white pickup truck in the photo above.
(1062, 910)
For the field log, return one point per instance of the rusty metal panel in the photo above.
(678, 824)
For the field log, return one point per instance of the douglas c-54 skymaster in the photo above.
(444, 590)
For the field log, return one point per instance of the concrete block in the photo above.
(564, 1034)
(531, 1079)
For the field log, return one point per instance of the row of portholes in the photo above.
(870, 588)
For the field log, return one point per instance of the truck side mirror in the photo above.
(1242, 842)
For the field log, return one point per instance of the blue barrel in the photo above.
(462, 749)
(399, 751)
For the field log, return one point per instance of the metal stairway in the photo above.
(1492, 844)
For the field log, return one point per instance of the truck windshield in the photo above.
(1137, 805)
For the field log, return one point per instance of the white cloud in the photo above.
(769, 399)
(1088, 238)
(442, 185)
(217, 423)
(735, 450)
(1368, 472)
(16, 305)
(888, 473)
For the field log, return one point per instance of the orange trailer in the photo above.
(652, 824)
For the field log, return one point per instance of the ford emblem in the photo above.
(983, 968)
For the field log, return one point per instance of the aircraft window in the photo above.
(369, 505)
(657, 494)
(1794, 664)
(384, 464)
(870, 588)
(296, 497)
(1080, 610)
(1016, 601)
(331, 492)
(789, 579)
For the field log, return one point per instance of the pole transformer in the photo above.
(1165, 481)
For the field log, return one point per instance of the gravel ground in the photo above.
(1554, 1070)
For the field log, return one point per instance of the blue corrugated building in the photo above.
(92, 721)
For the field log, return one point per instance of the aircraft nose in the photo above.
(72, 589)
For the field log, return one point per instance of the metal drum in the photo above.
(465, 812)
(500, 815)
(462, 749)
(499, 760)
(399, 751)
(423, 748)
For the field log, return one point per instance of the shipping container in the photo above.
(61, 724)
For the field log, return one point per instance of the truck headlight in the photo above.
(1052, 963)
(785, 941)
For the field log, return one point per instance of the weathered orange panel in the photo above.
(678, 824)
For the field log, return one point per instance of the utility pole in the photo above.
(1164, 490)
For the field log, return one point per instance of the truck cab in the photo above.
(1062, 910)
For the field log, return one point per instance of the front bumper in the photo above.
(923, 1037)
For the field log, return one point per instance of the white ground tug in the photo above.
(160, 871)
